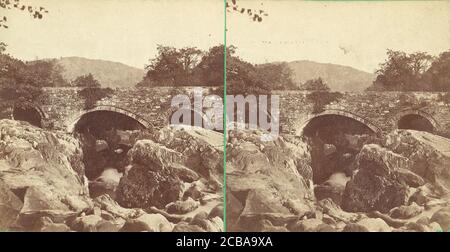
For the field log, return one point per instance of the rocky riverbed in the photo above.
(172, 182)
(398, 182)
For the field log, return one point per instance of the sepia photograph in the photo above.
(363, 139)
(224, 116)
(86, 101)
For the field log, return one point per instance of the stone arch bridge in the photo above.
(381, 112)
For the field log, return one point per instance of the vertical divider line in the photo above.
(225, 117)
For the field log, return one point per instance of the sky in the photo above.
(123, 31)
(349, 33)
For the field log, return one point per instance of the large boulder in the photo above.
(162, 167)
(429, 154)
(10, 206)
(374, 186)
(265, 179)
(402, 162)
(41, 166)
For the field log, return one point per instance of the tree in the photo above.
(47, 73)
(402, 72)
(19, 84)
(315, 85)
(277, 76)
(87, 80)
(35, 12)
(210, 69)
(438, 75)
(172, 67)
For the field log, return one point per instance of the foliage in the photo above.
(93, 94)
(315, 85)
(438, 75)
(22, 82)
(322, 98)
(172, 67)
(403, 72)
(35, 12)
(254, 14)
(86, 80)
(277, 76)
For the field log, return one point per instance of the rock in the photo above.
(409, 178)
(182, 207)
(10, 206)
(353, 227)
(101, 145)
(49, 162)
(110, 209)
(267, 226)
(107, 226)
(374, 186)
(38, 203)
(264, 176)
(435, 227)
(86, 223)
(202, 149)
(328, 220)
(406, 212)
(45, 224)
(143, 187)
(160, 167)
(184, 173)
(428, 154)
(298, 207)
(374, 225)
(329, 149)
(193, 192)
(442, 217)
(329, 191)
(217, 211)
(186, 227)
(325, 228)
(148, 222)
(308, 225)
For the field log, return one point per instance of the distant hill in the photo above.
(108, 73)
(337, 77)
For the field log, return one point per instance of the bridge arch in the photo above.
(415, 119)
(71, 127)
(29, 112)
(341, 113)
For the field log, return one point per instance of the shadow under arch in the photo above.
(341, 113)
(416, 120)
(72, 126)
(335, 138)
(30, 113)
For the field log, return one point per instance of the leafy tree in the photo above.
(210, 69)
(35, 12)
(278, 76)
(87, 80)
(16, 77)
(438, 75)
(253, 14)
(3, 47)
(402, 72)
(47, 73)
(172, 67)
(315, 85)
